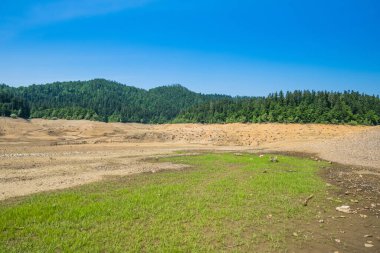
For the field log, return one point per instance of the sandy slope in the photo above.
(40, 155)
(87, 132)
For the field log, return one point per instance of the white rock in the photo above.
(344, 209)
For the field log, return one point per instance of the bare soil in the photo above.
(40, 155)
(335, 231)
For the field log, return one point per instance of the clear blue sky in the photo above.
(215, 46)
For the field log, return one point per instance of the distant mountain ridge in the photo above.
(110, 101)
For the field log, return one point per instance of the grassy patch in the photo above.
(224, 203)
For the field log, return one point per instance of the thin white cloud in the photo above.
(70, 9)
(61, 10)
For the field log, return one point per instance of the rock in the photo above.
(344, 209)
(354, 201)
(366, 236)
(337, 240)
(295, 234)
(368, 245)
(321, 221)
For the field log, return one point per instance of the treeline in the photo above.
(12, 104)
(66, 113)
(110, 101)
(293, 107)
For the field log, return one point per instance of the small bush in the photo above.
(353, 123)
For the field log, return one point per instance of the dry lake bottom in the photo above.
(44, 155)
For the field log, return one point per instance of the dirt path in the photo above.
(41, 155)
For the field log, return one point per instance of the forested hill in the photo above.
(110, 101)
(100, 99)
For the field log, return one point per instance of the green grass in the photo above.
(222, 203)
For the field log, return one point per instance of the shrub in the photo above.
(353, 123)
